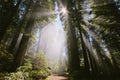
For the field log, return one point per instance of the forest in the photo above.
(59, 39)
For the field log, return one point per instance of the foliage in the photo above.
(39, 66)
(34, 68)
(26, 67)
(19, 75)
(6, 58)
(39, 74)
(43, 20)
(39, 61)
(108, 22)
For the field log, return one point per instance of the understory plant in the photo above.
(34, 68)
(6, 58)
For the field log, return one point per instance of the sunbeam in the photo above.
(59, 39)
(53, 41)
(47, 13)
(64, 11)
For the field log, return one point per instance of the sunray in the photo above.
(46, 13)
(97, 39)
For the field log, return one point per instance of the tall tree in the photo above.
(38, 6)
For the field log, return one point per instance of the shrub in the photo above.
(40, 67)
(34, 68)
(39, 61)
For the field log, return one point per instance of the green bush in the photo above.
(26, 67)
(40, 67)
(34, 68)
(41, 74)
(39, 61)
(19, 75)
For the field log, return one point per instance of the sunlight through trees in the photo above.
(78, 39)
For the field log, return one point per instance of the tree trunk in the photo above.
(7, 18)
(74, 63)
(19, 57)
(15, 42)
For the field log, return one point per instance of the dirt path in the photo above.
(52, 77)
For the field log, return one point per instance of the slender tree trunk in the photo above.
(15, 42)
(19, 57)
(84, 51)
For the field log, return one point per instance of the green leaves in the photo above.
(6, 58)
(34, 68)
(5, 0)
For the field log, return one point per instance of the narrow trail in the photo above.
(52, 77)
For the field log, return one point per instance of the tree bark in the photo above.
(19, 57)
(15, 42)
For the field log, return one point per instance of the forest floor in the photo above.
(52, 77)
